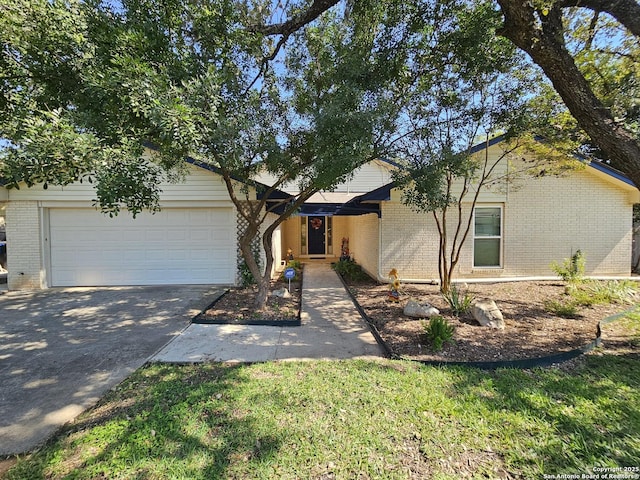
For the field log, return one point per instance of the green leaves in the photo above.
(50, 151)
(129, 182)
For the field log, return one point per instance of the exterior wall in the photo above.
(341, 229)
(364, 179)
(408, 242)
(550, 218)
(291, 236)
(364, 241)
(26, 208)
(276, 244)
(544, 220)
(199, 185)
(24, 259)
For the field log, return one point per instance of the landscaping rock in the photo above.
(415, 309)
(487, 313)
(281, 292)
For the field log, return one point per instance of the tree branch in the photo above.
(317, 8)
(540, 34)
(627, 12)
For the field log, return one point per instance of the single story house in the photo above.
(55, 237)
(519, 227)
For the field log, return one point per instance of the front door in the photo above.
(316, 235)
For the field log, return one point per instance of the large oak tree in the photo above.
(540, 28)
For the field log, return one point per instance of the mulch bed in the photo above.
(531, 331)
(235, 307)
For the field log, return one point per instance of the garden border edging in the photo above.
(200, 320)
(522, 363)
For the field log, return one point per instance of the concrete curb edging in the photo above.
(523, 363)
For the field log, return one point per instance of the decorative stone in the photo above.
(415, 309)
(487, 313)
(281, 292)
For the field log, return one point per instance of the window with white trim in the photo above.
(487, 237)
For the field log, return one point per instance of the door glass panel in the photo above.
(303, 235)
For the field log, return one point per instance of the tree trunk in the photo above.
(547, 49)
(265, 280)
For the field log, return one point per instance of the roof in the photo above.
(609, 170)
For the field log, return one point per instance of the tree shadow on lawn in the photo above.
(159, 423)
(200, 421)
(565, 422)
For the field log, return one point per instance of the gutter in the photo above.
(550, 278)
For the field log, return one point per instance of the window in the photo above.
(303, 235)
(487, 237)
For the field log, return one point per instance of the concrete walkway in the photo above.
(331, 328)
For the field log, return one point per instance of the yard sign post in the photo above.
(289, 273)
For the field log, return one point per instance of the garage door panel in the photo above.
(171, 247)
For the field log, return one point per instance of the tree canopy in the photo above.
(544, 30)
(306, 92)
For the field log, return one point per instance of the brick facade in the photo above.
(363, 241)
(24, 260)
(544, 220)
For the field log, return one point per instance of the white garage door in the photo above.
(174, 246)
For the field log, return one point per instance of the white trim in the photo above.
(45, 246)
(169, 204)
(500, 206)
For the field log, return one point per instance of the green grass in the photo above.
(352, 419)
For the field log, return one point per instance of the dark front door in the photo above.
(316, 235)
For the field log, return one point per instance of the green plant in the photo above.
(572, 269)
(613, 291)
(567, 309)
(438, 331)
(246, 277)
(349, 270)
(595, 292)
(296, 265)
(460, 302)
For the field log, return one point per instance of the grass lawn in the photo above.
(353, 420)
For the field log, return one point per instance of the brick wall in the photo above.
(549, 218)
(364, 240)
(544, 219)
(24, 252)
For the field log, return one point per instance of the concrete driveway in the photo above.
(62, 349)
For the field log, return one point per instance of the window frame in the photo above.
(499, 237)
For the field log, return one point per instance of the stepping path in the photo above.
(331, 328)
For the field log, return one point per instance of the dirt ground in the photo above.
(530, 331)
(236, 306)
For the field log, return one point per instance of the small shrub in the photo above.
(572, 269)
(596, 292)
(613, 291)
(438, 332)
(349, 270)
(460, 302)
(246, 277)
(296, 265)
(562, 309)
